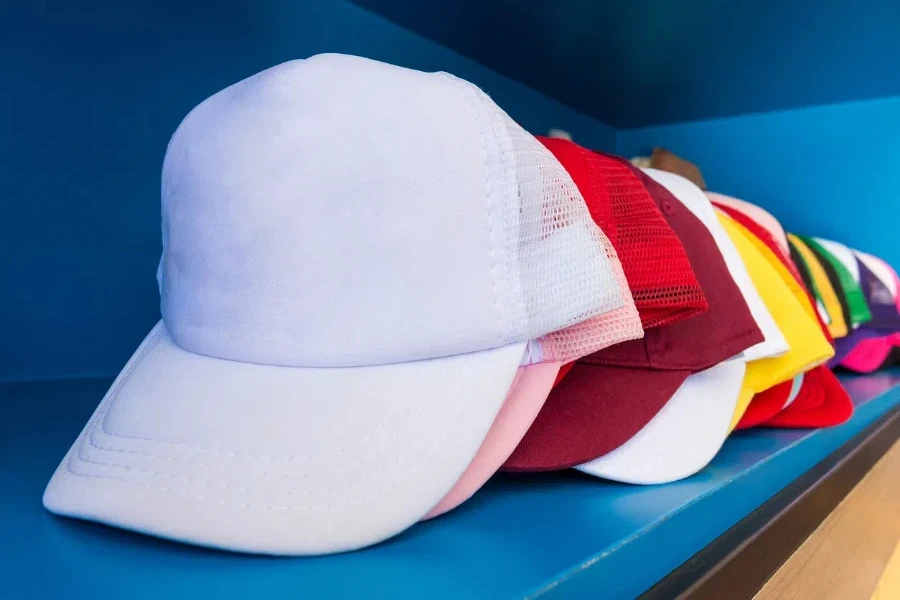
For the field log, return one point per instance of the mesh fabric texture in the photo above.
(662, 282)
(551, 202)
(560, 261)
(657, 267)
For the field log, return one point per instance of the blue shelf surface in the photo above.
(558, 534)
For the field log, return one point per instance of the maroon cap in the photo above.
(612, 394)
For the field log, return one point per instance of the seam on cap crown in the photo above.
(467, 90)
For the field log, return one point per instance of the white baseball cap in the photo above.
(355, 259)
(683, 436)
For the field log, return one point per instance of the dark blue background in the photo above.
(633, 64)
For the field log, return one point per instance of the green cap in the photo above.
(849, 285)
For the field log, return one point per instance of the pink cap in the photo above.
(760, 215)
(868, 355)
(526, 396)
(895, 339)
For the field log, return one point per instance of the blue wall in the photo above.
(832, 171)
(91, 93)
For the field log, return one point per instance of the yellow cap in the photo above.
(838, 325)
(789, 306)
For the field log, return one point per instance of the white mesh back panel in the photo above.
(568, 259)
(564, 260)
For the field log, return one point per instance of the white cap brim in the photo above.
(278, 460)
(684, 436)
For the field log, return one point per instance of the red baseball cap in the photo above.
(656, 265)
(610, 395)
(822, 402)
(768, 403)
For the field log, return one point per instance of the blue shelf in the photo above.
(560, 534)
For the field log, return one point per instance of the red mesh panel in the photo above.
(656, 265)
(662, 282)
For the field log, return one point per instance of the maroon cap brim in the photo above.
(592, 411)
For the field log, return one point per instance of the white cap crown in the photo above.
(337, 211)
